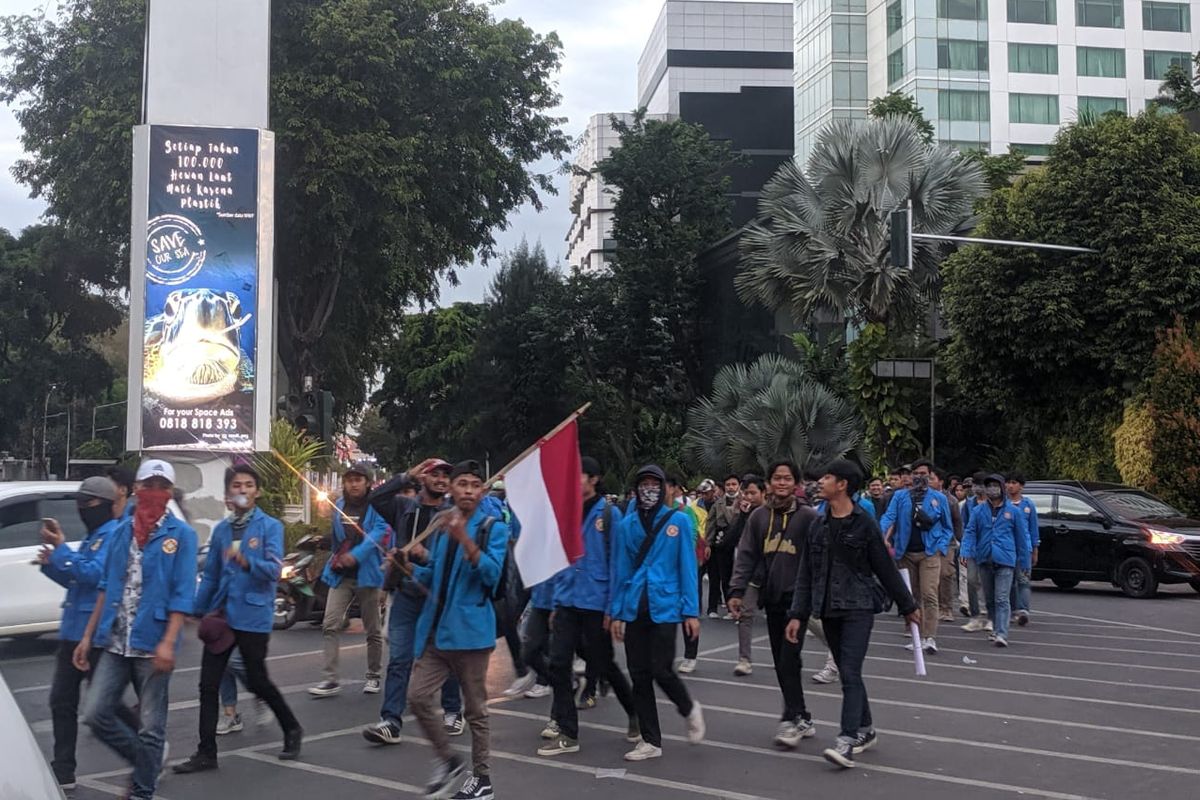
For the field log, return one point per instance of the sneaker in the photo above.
(551, 730)
(989, 626)
(744, 667)
(292, 740)
(229, 724)
(263, 714)
(383, 732)
(579, 666)
(1022, 618)
(325, 689)
(929, 646)
(558, 746)
(521, 685)
(477, 787)
(586, 703)
(991, 637)
(865, 741)
(727, 616)
(964, 610)
(1000, 641)
(371, 686)
(791, 732)
(713, 615)
(445, 776)
(974, 626)
(842, 752)
(633, 731)
(643, 752)
(454, 724)
(695, 724)
(947, 617)
(687, 666)
(197, 762)
(539, 690)
(828, 674)
(909, 647)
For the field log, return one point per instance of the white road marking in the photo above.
(1109, 622)
(108, 788)
(1027, 642)
(734, 646)
(1008, 655)
(331, 772)
(1040, 629)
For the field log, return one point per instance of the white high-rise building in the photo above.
(988, 73)
(590, 239)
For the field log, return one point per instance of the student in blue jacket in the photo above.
(919, 528)
(245, 555)
(996, 540)
(79, 571)
(1021, 593)
(461, 565)
(580, 600)
(148, 589)
(355, 570)
(653, 590)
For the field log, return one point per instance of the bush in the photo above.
(295, 531)
(1172, 396)
(1133, 443)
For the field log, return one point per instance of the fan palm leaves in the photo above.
(765, 411)
(822, 241)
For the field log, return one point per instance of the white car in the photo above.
(27, 776)
(31, 603)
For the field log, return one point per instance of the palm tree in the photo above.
(822, 240)
(765, 411)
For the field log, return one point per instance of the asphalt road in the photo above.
(1099, 697)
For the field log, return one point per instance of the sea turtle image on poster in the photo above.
(193, 351)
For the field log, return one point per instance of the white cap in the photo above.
(156, 468)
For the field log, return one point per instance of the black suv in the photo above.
(1110, 532)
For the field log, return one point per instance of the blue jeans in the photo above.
(997, 583)
(1021, 591)
(142, 748)
(236, 671)
(402, 623)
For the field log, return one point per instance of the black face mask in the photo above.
(95, 516)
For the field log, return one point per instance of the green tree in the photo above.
(767, 410)
(375, 437)
(899, 104)
(1178, 89)
(1054, 342)
(404, 134)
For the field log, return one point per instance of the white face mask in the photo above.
(240, 501)
(994, 492)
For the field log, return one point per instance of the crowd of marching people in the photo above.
(816, 554)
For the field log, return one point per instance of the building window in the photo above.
(895, 65)
(962, 9)
(1159, 61)
(966, 147)
(1038, 12)
(1037, 109)
(963, 105)
(1166, 17)
(1101, 105)
(1032, 149)
(962, 54)
(849, 37)
(1100, 62)
(1041, 59)
(1100, 13)
(850, 85)
(895, 17)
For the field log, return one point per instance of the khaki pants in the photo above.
(336, 604)
(926, 574)
(947, 586)
(425, 684)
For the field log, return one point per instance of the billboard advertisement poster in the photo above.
(199, 358)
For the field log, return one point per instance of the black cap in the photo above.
(364, 468)
(995, 477)
(651, 471)
(468, 467)
(590, 466)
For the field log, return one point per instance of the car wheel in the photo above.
(1065, 583)
(1136, 578)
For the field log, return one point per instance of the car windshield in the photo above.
(1136, 505)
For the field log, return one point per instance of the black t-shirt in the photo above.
(916, 539)
(354, 535)
(837, 529)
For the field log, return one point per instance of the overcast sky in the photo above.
(602, 40)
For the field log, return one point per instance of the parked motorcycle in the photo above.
(301, 595)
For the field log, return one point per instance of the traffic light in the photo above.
(308, 417)
(899, 244)
(325, 415)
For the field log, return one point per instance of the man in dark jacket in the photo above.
(841, 559)
(768, 547)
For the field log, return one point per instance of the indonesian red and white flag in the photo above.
(544, 493)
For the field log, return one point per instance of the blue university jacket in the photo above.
(899, 514)
(1028, 510)
(1000, 538)
(80, 571)
(585, 584)
(668, 575)
(467, 620)
(246, 594)
(168, 581)
(368, 553)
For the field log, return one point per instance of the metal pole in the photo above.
(67, 457)
(1001, 242)
(94, 408)
(932, 410)
(911, 265)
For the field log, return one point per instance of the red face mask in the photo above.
(151, 505)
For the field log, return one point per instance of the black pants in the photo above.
(691, 647)
(650, 654)
(64, 708)
(849, 638)
(719, 569)
(786, 657)
(574, 628)
(506, 624)
(535, 649)
(253, 647)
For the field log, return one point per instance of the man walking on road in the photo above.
(753, 494)
(244, 559)
(723, 514)
(996, 541)
(971, 592)
(355, 570)
(1021, 592)
(654, 589)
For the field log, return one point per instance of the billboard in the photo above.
(201, 277)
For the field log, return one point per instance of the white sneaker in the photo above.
(929, 646)
(579, 666)
(687, 666)
(909, 647)
(539, 690)
(713, 615)
(828, 674)
(744, 667)
(551, 730)
(371, 686)
(229, 724)
(695, 724)
(974, 625)
(791, 732)
(989, 626)
(521, 685)
(643, 752)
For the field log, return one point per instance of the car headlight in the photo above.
(1164, 538)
